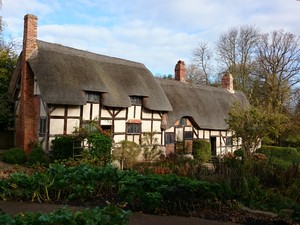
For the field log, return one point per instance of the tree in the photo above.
(194, 75)
(202, 56)
(277, 68)
(150, 146)
(236, 53)
(252, 124)
(8, 60)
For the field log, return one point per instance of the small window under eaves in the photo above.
(136, 100)
(92, 97)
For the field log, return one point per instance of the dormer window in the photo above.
(136, 100)
(92, 97)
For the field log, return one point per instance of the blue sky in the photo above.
(156, 33)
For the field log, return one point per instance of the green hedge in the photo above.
(14, 156)
(201, 150)
(281, 155)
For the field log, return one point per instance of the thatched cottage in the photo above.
(58, 88)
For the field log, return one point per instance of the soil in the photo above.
(214, 216)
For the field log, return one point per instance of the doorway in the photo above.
(213, 146)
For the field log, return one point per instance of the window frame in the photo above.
(188, 135)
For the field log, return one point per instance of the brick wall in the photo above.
(28, 118)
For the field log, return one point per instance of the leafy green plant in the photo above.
(101, 145)
(109, 215)
(62, 147)
(14, 156)
(37, 155)
(201, 150)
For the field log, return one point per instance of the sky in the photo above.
(156, 33)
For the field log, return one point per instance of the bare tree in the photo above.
(202, 56)
(195, 75)
(278, 67)
(236, 52)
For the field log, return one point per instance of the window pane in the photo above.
(92, 97)
(169, 138)
(42, 126)
(133, 128)
(136, 100)
(188, 135)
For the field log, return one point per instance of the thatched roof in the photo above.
(64, 74)
(206, 106)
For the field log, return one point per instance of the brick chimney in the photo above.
(28, 117)
(227, 82)
(180, 71)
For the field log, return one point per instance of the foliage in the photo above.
(239, 153)
(37, 155)
(126, 152)
(150, 146)
(14, 156)
(201, 150)
(8, 61)
(284, 156)
(101, 145)
(109, 215)
(61, 147)
(251, 124)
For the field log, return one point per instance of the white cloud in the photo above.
(156, 33)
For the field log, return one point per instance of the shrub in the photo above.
(100, 147)
(37, 156)
(201, 150)
(14, 156)
(62, 148)
(239, 153)
(281, 156)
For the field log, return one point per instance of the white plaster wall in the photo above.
(59, 111)
(179, 134)
(56, 126)
(138, 110)
(119, 137)
(147, 115)
(120, 125)
(156, 116)
(215, 133)
(206, 134)
(156, 126)
(95, 113)
(86, 111)
(106, 122)
(171, 129)
(71, 125)
(146, 126)
(121, 114)
(74, 111)
(104, 113)
(130, 113)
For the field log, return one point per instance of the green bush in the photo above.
(201, 150)
(14, 156)
(62, 148)
(37, 156)
(100, 147)
(284, 156)
(239, 153)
